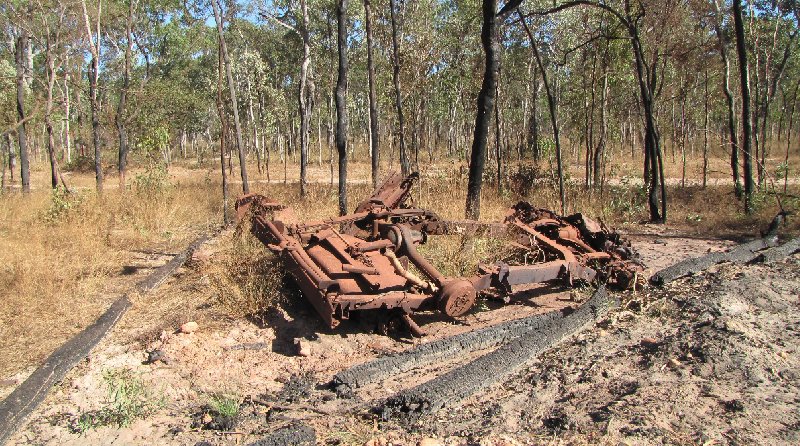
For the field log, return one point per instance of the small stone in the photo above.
(303, 347)
(429, 442)
(649, 343)
(189, 327)
(207, 418)
(674, 363)
(783, 355)
(603, 333)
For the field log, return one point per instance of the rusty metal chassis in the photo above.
(361, 239)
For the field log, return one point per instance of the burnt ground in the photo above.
(711, 359)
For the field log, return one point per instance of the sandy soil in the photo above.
(709, 360)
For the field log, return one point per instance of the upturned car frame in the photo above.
(360, 261)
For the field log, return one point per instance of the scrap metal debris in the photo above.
(368, 260)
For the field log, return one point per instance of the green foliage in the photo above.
(128, 400)
(224, 405)
(153, 182)
(626, 200)
(62, 204)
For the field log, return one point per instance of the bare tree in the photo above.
(304, 99)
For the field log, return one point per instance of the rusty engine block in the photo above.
(361, 261)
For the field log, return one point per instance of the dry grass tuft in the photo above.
(247, 279)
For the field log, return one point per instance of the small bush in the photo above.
(80, 164)
(152, 182)
(62, 203)
(128, 400)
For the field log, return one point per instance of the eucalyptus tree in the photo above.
(744, 84)
(50, 20)
(373, 100)
(654, 31)
(341, 102)
(94, 76)
(218, 18)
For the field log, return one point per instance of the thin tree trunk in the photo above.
(705, 131)
(223, 130)
(123, 94)
(341, 102)
(405, 165)
(303, 100)
(94, 75)
(24, 162)
(234, 102)
(48, 112)
(744, 74)
(551, 103)
(373, 100)
(497, 138)
(732, 130)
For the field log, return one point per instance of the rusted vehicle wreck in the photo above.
(367, 260)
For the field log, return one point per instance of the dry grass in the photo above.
(246, 279)
(62, 256)
(60, 252)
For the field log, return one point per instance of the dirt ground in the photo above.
(708, 360)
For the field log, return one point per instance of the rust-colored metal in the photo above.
(369, 260)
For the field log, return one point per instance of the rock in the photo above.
(649, 343)
(155, 356)
(377, 441)
(207, 418)
(303, 347)
(189, 327)
(429, 442)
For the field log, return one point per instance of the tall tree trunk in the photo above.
(551, 103)
(50, 73)
(303, 99)
(223, 130)
(744, 75)
(485, 104)
(67, 118)
(600, 149)
(373, 100)
(726, 88)
(123, 96)
(232, 90)
(655, 165)
(705, 130)
(497, 136)
(94, 75)
(341, 103)
(405, 164)
(24, 162)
